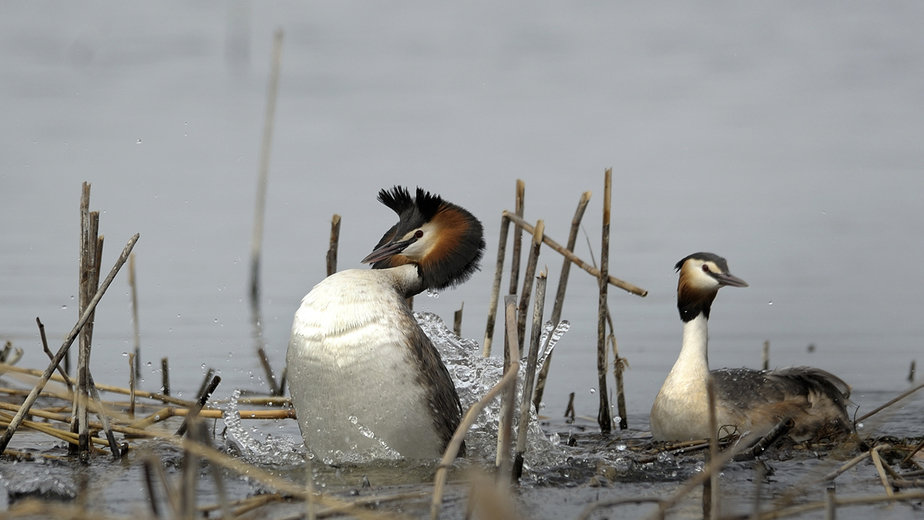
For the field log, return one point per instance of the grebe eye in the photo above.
(418, 233)
(705, 268)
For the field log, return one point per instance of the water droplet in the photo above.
(770, 302)
(138, 141)
(593, 391)
(64, 307)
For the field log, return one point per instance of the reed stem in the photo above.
(495, 288)
(526, 292)
(509, 379)
(560, 295)
(603, 414)
(505, 420)
(136, 327)
(256, 242)
(334, 244)
(69, 339)
(535, 334)
(555, 246)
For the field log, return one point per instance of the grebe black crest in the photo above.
(746, 400)
(448, 240)
(366, 382)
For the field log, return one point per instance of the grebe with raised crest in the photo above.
(364, 378)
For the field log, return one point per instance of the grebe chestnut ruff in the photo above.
(751, 400)
(365, 380)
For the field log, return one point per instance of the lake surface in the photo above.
(784, 137)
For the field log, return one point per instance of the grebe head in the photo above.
(444, 240)
(701, 277)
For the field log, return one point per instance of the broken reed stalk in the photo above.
(164, 376)
(593, 271)
(188, 484)
(136, 327)
(779, 430)
(495, 288)
(149, 464)
(877, 462)
(505, 422)
(509, 379)
(60, 434)
(830, 502)
(61, 372)
(200, 402)
(569, 410)
(912, 452)
(911, 372)
(526, 292)
(603, 414)
(256, 241)
(535, 334)
(619, 368)
(88, 280)
(457, 320)
(334, 244)
(889, 403)
(844, 467)
(766, 355)
(69, 339)
(560, 295)
(103, 417)
(200, 433)
(132, 374)
(268, 370)
(110, 388)
(205, 382)
(517, 238)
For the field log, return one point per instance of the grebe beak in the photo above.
(388, 250)
(729, 280)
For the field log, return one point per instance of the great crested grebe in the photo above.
(750, 400)
(365, 379)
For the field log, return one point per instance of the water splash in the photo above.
(248, 444)
(474, 376)
(550, 337)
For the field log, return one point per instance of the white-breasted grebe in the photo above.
(748, 400)
(364, 378)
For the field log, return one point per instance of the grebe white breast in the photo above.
(365, 380)
(748, 400)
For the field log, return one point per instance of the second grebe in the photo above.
(749, 400)
(366, 382)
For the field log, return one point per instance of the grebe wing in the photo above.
(441, 390)
(812, 397)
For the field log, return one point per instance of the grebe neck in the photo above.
(694, 355)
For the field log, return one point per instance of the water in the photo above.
(784, 137)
